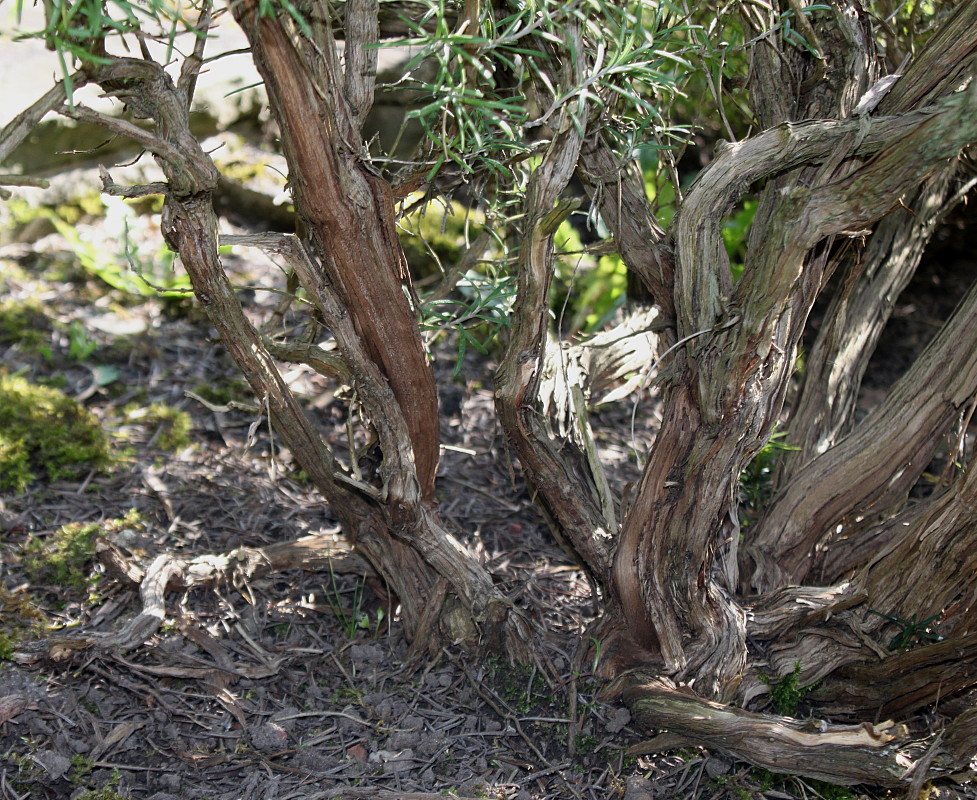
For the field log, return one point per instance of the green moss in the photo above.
(347, 695)
(81, 768)
(107, 792)
(435, 235)
(64, 557)
(150, 204)
(89, 205)
(24, 321)
(170, 426)
(72, 211)
(787, 693)
(21, 211)
(45, 435)
(243, 171)
(18, 618)
(522, 688)
(224, 393)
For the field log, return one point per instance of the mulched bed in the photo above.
(297, 684)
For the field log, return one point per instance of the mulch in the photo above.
(296, 684)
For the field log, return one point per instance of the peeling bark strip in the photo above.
(673, 534)
(855, 476)
(346, 208)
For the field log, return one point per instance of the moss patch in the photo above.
(236, 391)
(170, 427)
(24, 321)
(436, 235)
(65, 556)
(18, 616)
(44, 434)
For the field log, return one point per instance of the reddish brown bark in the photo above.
(347, 212)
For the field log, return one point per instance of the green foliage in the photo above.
(18, 617)
(735, 231)
(478, 317)
(45, 434)
(600, 293)
(355, 617)
(497, 76)
(63, 558)
(80, 346)
(764, 780)
(912, 632)
(786, 694)
(126, 270)
(81, 768)
(236, 391)
(756, 481)
(77, 29)
(107, 792)
(435, 237)
(523, 688)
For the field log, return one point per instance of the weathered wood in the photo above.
(135, 632)
(315, 551)
(874, 275)
(843, 754)
(876, 272)
(618, 189)
(558, 470)
(857, 474)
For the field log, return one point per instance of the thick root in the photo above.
(882, 754)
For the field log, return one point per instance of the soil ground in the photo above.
(296, 684)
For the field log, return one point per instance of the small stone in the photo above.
(401, 739)
(638, 788)
(289, 712)
(618, 720)
(55, 764)
(363, 655)
(394, 761)
(38, 727)
(716, 766)
(269, 738)
(357, 751)
(170, 781)
(411, 723)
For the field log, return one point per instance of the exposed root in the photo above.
(152, 591)
(317, 551)
(884, 754)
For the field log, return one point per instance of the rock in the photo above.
(364, 655)
(170, 781)
(618, 720)
(55, 764)
(316, 762)
(638, 788)
(269, 738)
(394, 761)
(716, 766)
